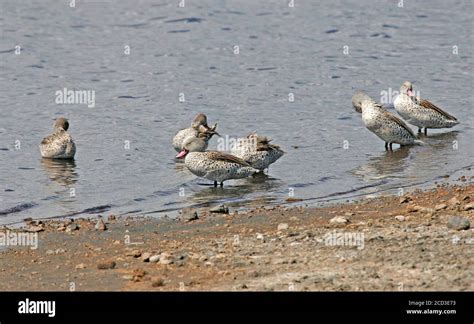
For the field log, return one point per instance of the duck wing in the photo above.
(400, 122)
(57, 142)
(219, 156)
(428, 105)
(48, 140)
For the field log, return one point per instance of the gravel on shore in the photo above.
(421, 241)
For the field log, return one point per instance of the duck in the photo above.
(257, 151)
(357, 98)
(213, 165)
(59, 144)
(421, 112)
(198, 142)
(382, 123)
(198, 125)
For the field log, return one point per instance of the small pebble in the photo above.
(221, 209)
(453, 202)
(154, 258)
(292, 199)
(157, 282)
(34, 229)
(469, 206)
(134, 253)
(188, 215)
(404, 199)
(458, 223)
(72, 227)
(165, 258)
(80, 266)
(146, 257)
(338, 220)
(100, 225)
(104, 265)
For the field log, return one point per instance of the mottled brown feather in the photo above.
(263, 142)
(428, 105)
(52, 137)
(219, 156)
(46, 140)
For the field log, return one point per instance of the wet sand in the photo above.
(407, 243)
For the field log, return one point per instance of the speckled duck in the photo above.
(59, 144)
(421, 112)
(382, 123)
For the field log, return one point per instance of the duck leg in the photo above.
(426, 131)
(391, 149)
(419, 130)
(386, 146)
(222, 184)
(215, 184)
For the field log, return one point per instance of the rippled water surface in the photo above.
(192, 51)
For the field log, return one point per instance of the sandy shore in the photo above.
(389, 243)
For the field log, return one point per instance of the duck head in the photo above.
(406, 88)
(193, 144)
(199, 120)
(61, 123)
(358, 98)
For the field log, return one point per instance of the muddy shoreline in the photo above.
(421, 241)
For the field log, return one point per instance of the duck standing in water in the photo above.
(59, 144)
(421, 112)
(213, 165)
(382, 123)
(198, 125)
(257, 151)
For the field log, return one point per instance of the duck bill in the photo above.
(181, 154)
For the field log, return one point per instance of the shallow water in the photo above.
(190, 50)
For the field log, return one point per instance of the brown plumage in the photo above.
(59, 144)
(219, 156)
(198, 126)
(382, 123)
(257, 151)
(421, 112)
(428, 105)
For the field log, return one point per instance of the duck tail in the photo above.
(454, 122)
(418, 142)
(257, 172)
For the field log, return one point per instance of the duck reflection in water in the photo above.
(62, 172)
(388, 164)
(257, 186)
(401, 164)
